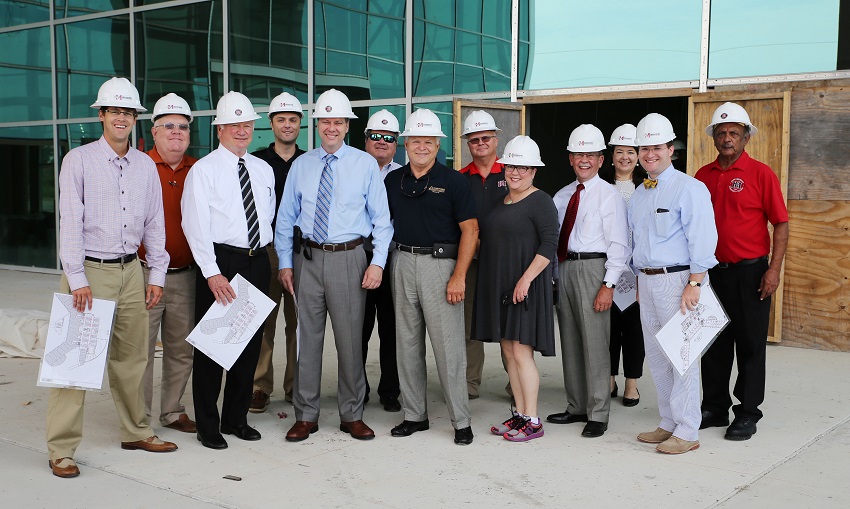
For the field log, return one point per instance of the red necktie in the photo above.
(569, 222)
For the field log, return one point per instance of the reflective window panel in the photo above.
(67, 8)
(27, 204)
(18, 12)
(26, 92)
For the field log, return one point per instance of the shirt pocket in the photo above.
(665, 220)
(590, 228)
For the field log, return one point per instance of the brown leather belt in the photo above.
(123, 259)
(332, 248)
(585, 256)
(742, 263)
(665, 270)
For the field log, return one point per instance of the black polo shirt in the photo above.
(280, 168)
(487, 192)
(427, 210)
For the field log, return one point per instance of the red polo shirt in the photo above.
(172, 180)
(486, 191)
(746, 197)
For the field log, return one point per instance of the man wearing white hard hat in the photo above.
(436, 231)
(228, 208)
(486, 179)
(334, 199)
(285, 114)
(381, 143)
(109, 200)
(173, 318)
(593, 250)
(746, 196)
(674, 238)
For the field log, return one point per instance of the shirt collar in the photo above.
(664, 175)
(154, 154)
(472, 168)
(340, 152)
(739, 164)
(110, 154)
(229, 157)
(590, 183)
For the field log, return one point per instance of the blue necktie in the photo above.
(322, 222)
(250, 206)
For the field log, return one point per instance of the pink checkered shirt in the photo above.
(108, 205)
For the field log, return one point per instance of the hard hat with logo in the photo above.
(234, 108)
(478, 121)
(382, 121)
(172, 104)
(522, 151)
(586, 138)
(333, 104)
(118, 92)
(423, 122)
(730, 112)
(285, 102)
(623, 136)
(654, 129)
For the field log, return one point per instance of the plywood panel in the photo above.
(817, 276)
(820, 129)
(509, 117)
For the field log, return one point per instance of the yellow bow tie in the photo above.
(650, 183)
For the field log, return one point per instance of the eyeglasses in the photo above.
(522, 170)
(120, 113)
(414, 189)
(170, 126)
(386, 137)
(480, 139)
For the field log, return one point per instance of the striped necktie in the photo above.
(250, 206)
(322, 222)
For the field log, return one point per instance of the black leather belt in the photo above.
(585, 256)
(123, 259)
(748, 261)
(170, 270)
(260, 251)
(665, 270)
(415, 249)
(342, 246)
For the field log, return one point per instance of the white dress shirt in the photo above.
(390, 166)
(212, 205)
(601, 224)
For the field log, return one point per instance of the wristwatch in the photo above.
(695, 284)
(606, 284)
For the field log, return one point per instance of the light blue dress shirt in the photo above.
(673, 224)
(358, 206)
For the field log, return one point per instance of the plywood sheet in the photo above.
(509, 117)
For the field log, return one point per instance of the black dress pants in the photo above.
(627, 334)
(206, 373)
(745, 336)
(380, 302)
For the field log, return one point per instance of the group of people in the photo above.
(471, 256)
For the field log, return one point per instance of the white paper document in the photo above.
(686, 337)
(224, 331)
(625, 292)
(77, 344)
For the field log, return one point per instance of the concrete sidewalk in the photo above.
(798, 458)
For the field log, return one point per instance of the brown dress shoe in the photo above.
(301, 430)
(259, 402)
(184, 424)
(357, 429)
(150, 444)
(654, 437)
(675, 445)
(64, 467)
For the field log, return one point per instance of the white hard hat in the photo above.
(285, 102)
(730, 112)
(423, 122)
(172, 104)
(382, 121)
(654, 129)
(677, 146)
(333, 104)
(478, 121)
(522, 151)
(233, 108)
(623, 136)
(118, 92)
(586, 138)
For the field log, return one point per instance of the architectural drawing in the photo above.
(625, 292)
(240, 313)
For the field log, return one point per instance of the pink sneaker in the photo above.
(527, 432)
(516, 421)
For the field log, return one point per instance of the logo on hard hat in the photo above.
(724, 115)
(513, 155)
(384, 121)
(328, 109)
(423, 124)
(119, 97)
(238, 112)
(737, 185)
(478, 124)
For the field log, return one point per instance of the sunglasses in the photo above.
(171, 125)
(386, 137)
(414, 188)
(480, 139)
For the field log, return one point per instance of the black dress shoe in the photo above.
(566, 418)
(407, 428)
(631, 401)
(713, 420)
(742, 428)
(213, 442)
(463, 436)
(615, 390)
(594, 429)
(242, 431)
(391, 404)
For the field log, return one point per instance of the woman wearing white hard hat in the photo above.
(626, 335)
(513, 298)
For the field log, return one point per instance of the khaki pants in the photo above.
(128, 356)
(264, 376)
